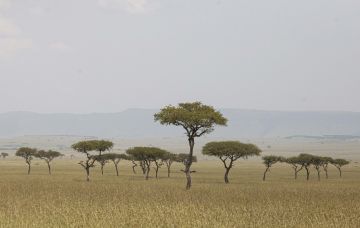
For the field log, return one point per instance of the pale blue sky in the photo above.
(109, 55)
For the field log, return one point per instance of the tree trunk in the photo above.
(147, 173)
(318, 171)
(169, 171)
(339, 171)
(326, 173)
(226, 178)
(143, 167)
(307, 173)
(133, 167)
(29, 168)
(156, 171)
(117, 170)
(189, 163)
(87, 174)
(264, 177)
(49, 168)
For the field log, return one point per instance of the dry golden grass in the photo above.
(66, 200)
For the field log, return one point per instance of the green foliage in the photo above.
(84, 146)
(196, 118)
(26, 153)
(340, 162)
(146, 153)
(272, 159)
(102, 145)
(231, 149)
(48, 155)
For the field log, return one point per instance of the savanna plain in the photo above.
(65, 199)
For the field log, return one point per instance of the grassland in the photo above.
(66, 200)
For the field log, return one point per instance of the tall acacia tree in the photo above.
(48, 156)
(28, 154)
(339, 163)
(147, 155)
(270, 161)
(86, 147)
(197, 120)
(230, 151)
(101, 146)
(296, 164)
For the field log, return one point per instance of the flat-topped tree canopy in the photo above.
(103, 145)
(48, 155)
(272, 159)
(196, 118)
(340, 162)
(146, 153)
(231, 149)
(26, 152)
(84, 146)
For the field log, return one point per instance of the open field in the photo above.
(66, 199)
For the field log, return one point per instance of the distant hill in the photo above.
(139, 123)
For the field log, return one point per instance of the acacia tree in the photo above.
(306, 161)
(102, 146)
(168, 159)
(116, 158)
(270, 161)
(85, 147)
(197, 120)
(230, 151)
(147, 155)
(326, 162)
(4, 155)
(48, 156)
(317, 162)
(28, 154)
(296, 164)
(339, 163)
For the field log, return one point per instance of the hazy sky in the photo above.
(108, 55)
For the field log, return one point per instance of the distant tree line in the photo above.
(305, 162)
(197, 120)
